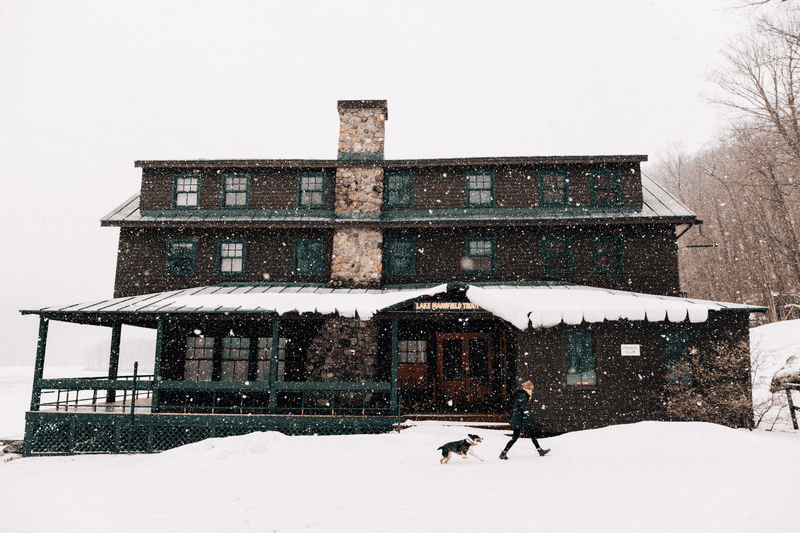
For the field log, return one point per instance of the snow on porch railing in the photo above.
(94, 393)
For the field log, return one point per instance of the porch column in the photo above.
(113, 360)
(273, 364)
(393, 401)
(38, 370)
(157, 365)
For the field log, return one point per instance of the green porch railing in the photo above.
(92, 392)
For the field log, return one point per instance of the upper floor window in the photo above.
(308, 257)
(609, 254)
(401, 257)
(553, 187)
(580, 358)
(235, 190)
(676, 351)
(399, 189)
(186, 190)
(480, 188)
(230, 257)
(556, 255)
(481, 257)
(605, 187)
(311, 188)
(181, 255)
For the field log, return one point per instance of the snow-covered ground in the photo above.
(650, 476)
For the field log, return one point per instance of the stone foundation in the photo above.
(345, 349)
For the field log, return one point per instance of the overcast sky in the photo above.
(88, 87)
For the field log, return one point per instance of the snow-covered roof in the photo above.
(539, 305)
(788, 374)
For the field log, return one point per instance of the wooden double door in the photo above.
(465, 368)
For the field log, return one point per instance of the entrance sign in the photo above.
(631, 349)
(445, 306)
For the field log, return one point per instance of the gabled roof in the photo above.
(659, 205)
(534, 305)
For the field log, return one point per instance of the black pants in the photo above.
(516, 435)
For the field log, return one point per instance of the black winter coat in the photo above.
(521, 416)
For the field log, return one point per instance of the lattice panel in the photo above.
(90, 438)
(50, 438)
(166, 437)
(222, 431)
(133, 440)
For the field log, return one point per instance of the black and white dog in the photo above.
(460, 447)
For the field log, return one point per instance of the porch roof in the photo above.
(534, 304)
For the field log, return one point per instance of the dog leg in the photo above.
(475, 456)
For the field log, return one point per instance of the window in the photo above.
(181, 257)
(606, 187)
(199, 359)
(399, 189)
(230, 257)
(311, 187)
(580, 358)
(480, 255)
(676, 350)
(235, 190)
(556, 255)
(307, 257)
(401, 257)
(186, 191)
(264, 355)
(414, 352)
(235, 358)
(609, 254)
(480, 189)
(553, 187)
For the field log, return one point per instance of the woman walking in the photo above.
(522, 419)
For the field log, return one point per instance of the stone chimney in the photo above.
(357, 259)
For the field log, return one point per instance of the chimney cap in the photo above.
(364, 104)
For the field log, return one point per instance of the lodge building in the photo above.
(341, 296)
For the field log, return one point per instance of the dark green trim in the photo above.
(562, 191)
(308, 257)
(113, 359)
(398, 189)
(492, 254)
(395, 359)
(38, 370)
(224, 194)
(218, 267)
(468, 189)
(619, 243)
(400, 257)
(595, 187)
(300, 190)
(157, 361)
(180, 261)
(175, 178)
(360, 156)
(546, 239)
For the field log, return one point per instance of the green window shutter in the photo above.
(311, 190)
(479, 188)
(580, 358)
(678, 359)
(399, 189)
(235, 191)
(481, 255)
(181, 254)
(609, 254)
(553, 187)
(308, 257)
(186, 191)
(401, 257)
(231, 256)
(556, 255)
(606, 187)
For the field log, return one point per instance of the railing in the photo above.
(224, 397)
(93, 393)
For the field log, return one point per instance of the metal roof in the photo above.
(539, 304)
(658, 205)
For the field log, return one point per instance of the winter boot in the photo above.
(503, 455)
(543, 452)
